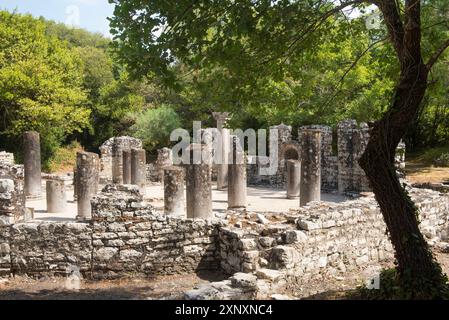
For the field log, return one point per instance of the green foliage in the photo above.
(442, 160)
(116, 100)
(40, 84)
(75, 37)
(249, 58)
(393, 288)
(428, 156)
(154, 127)
(64, 158)
(97, 71)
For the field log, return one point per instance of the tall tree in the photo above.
(40, 84)
(254, 38)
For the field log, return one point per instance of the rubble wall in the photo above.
(128, 239)
(12, 195)
(123, 239)
(326, 238)
(6, 158)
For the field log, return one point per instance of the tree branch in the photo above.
(395, 27)
(437, 54)
(339, 84)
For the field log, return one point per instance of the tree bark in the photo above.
(419, 273)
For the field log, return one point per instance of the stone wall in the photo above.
(6, 158)
(352, 141)
(325, 238)
(124, 239)
(339, 170)
(127, 238)
(12, 195)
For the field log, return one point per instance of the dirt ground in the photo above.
(168, 287)
(420, 173)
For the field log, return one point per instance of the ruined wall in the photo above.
(12, 195)
(6, 158)
(124, 239)
(127, 239)
(325, 238)
(352, 141)
(155, 170)
(339, 170)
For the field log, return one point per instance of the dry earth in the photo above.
(168, 287)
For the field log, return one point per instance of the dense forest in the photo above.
(72, 87)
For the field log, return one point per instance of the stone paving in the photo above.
(259, 199)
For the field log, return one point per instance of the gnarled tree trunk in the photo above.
(419, 273)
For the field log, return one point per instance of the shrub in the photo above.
(154, 126)
(64, 158)
(442, 160)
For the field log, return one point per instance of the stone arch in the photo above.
(291, 151)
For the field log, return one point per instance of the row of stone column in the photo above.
(198, 181)
(129, 166)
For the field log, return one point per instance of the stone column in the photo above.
(198, 183)
(223, 152)
(88, 175)
(174, 198)
(310, 189)
(32, 163)
(56, 196)
(236, 176)
(126, 166)
(293, 179)
(139, 169)
(117, 164)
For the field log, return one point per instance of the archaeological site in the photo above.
(223, 158)
(269, 236)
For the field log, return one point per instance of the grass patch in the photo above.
(437, 156)
(64, 159)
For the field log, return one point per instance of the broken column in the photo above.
(56, 196)
(293, 179)
(222, 150)
(236, 176)
(310, 184)
(138, 168)
(126, 166)
(164, 159)
(174, 198)
(198, 183)
(88, 165)
(32, 163)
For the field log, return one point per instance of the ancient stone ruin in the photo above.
(118, 226)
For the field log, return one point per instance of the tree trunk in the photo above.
(419, 274)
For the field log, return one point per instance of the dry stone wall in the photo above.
(128, 238)
(124, 239)
(325, 238)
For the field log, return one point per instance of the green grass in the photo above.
(427, 157)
